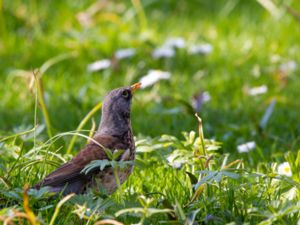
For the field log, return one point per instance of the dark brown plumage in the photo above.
(114, 133)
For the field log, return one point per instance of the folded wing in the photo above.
(69, 175)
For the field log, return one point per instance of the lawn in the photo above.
(234, 62)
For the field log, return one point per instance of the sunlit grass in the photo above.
(251, 47)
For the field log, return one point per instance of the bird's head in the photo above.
(118, 101)
(116, 109)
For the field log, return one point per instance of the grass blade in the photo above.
(28, 211)
(81, 125)
(41, 101)
(264, 121)
(58, 206)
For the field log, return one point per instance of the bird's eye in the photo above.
(125, 94)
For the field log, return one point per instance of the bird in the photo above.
(114, 133)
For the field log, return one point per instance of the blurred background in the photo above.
(235, 62)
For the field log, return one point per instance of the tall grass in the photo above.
(180, 176)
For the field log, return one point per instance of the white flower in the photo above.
(175, 164)
(284, 169)
(275, 58)
(288, 67)
(163, 52)
(174, 161)
(246, 147)
(125, 53)
(154, 76)
(176, 42)
(258, 90)
(203, 49)
(290, 194)
(99, 65)
(167, 50)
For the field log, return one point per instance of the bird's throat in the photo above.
(114, 124)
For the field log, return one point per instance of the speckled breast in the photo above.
(106, 178)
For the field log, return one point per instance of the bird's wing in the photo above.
(71, 171)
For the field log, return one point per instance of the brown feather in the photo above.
(71, 171)
(114, 133)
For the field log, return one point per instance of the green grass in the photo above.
(246, 40)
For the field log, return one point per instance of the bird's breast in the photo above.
(106, 179)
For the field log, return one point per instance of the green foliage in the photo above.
(101, 164)
(179, 177)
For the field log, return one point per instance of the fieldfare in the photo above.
(114, 133)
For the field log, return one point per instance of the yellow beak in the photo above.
(134, 87)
